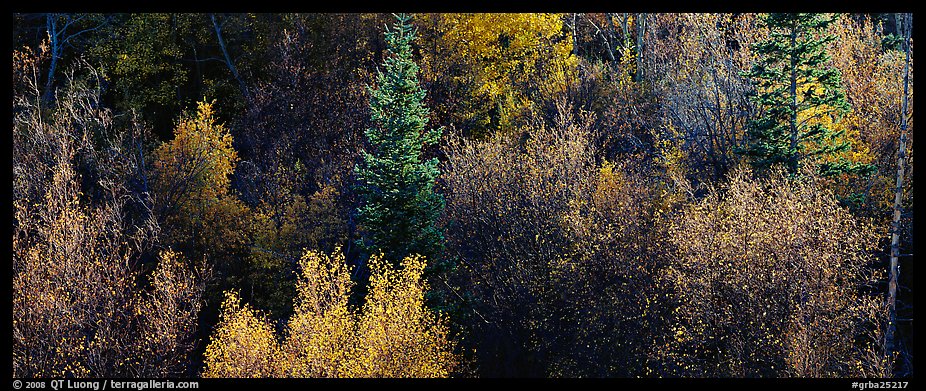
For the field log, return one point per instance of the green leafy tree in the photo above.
(399, 207)
(800, 96)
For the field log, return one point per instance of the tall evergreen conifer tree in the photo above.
(796, 89)
(399, 207)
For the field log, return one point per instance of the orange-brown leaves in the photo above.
(200, 156)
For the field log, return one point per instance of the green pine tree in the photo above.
(791, 77)
(399, 207)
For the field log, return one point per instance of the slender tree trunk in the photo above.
(897, 24)
(793, 91)
(228, 61)
(608, 37)
(575, 35)
(640, 25)
(54, 45)
(889, 343)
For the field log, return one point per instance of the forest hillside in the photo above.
(462, 195)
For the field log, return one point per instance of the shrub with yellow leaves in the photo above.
(392, 335)
(398, 335)
(320, 338)
(243, 345)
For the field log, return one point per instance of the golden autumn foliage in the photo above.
(843, 185)
(320, 334)
(498, 68)
(243, 344)
(858, 152)
(507, 48)
(200, 214)
(398, 335)
(392, 335)
(200, 154)
(758, 298)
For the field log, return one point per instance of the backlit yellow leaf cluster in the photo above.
(392, 335)
(511, 64)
